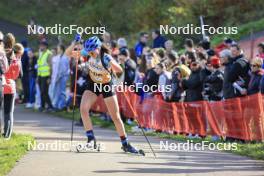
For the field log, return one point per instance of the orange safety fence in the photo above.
(241, 118)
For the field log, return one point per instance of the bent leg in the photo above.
(113, 109)
(88, 99)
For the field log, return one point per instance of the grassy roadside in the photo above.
(252, 150)
(12, 150)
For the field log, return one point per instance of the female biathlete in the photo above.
(100, 66)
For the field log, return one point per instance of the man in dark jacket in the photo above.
(25, 75)
(193, 85)
(214, 82)
(239, 70)
(158, 40)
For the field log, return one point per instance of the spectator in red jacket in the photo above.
(10, 88)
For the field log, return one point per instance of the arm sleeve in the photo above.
(190, 84)
(14, 71)
(234, 72)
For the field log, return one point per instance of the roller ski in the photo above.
(128, 148)
(90, 146)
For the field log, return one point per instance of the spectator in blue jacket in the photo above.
(143, 39)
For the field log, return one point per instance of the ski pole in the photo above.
(77, 40)
(142, 130)
(144, 134)
(74, 98)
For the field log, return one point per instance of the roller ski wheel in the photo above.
(130, 149)
(89, 146)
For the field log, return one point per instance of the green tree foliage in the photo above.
(127, 18)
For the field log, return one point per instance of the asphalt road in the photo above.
(50, 160)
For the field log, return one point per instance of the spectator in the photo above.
(160, 53)
(133, 54)
(114, 49)
(190, 57)
(151, 78)
(106, 37)
(25, 75)
(3, 59)
(261, 51)
(214, 82)
(158, 39)
(164, 80)
(256, 76)
(203, 58)
(225, 59)
(129, 66)
(189, 46)
(229, 42)
(169, 47)
(10, 86)
(178, 71)
(143, 39)
(9, 42)
(206, 69)
(193, 85)
(44, 72)
(55, 66)
(32, 75)
(121, 43)
(61, 78)
(238, 75)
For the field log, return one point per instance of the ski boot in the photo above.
(89, 146)
(128, 148)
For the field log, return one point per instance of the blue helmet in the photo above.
(92, 43)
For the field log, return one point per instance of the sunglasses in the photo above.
(252, 65)
(76, 49)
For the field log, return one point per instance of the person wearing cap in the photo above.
(256, 76)
(193, 85)
(44, 73)
(129, 66)
(214, 82)
(229, 42)
(121, 43)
